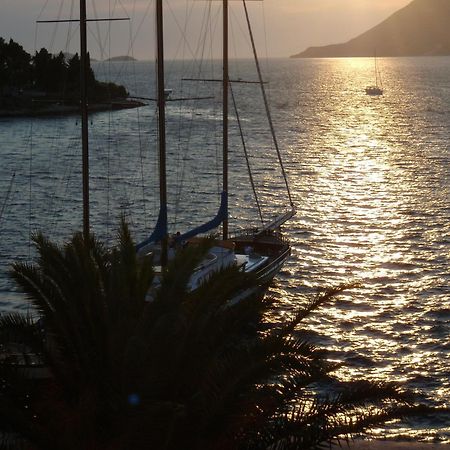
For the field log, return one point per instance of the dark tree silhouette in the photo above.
(15, 70)
(105, 369)
(56, 77)
(49, 71)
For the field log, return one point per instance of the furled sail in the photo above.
(212, 224)
(160, 230)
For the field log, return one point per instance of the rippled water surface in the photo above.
(370, 178)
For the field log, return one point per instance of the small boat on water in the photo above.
(377, 88)
(374, 90)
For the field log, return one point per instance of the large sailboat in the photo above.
(260, 251)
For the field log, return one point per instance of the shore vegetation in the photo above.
(44, 81)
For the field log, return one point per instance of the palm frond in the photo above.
(190, 369)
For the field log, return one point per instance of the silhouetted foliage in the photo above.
(51, 74)
(188, 370)
(49, 71)
(15, 68)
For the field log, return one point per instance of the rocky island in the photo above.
(121, 58)
(419, 29)
(50, 84)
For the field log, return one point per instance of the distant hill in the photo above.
(121, 58)
(419, 29)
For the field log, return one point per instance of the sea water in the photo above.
(370, 178)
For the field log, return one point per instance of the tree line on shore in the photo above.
(53, 75)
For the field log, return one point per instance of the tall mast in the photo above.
(161, 127)
(225, 114)
(376, 69)
(84, 117)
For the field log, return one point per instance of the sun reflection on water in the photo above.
(373, 200)
(370, 179)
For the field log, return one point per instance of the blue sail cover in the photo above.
(222, 214)
(160, 230)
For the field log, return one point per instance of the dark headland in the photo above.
(419, 29)
(46, 84)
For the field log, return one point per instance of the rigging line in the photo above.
(266, 47)
(239, 123)
(265, 34)
(176, 21)
(51, 209)
(133, 9)
(213, 25)
(237, 22)
(184, 43)
(200, 49)
(266, 104)
(188, 11)
(217, 147)
(103, 43)
(44, 7)
(51, 205)
(30, 189)
(183, 31)
(97, 29)
(141, 157)
(111, 13)
(142, 167)
(209, 25)
(55, 29)
(122, 6)
(139, 131)
(247, 160)
(130, 194)
(8, 193)
(69, 29)
(140, 24)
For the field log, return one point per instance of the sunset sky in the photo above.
(290, 25)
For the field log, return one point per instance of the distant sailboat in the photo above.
(377, 88)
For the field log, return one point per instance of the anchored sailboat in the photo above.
(377, 88)
(261, 251)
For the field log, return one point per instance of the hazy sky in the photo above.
(290, 25)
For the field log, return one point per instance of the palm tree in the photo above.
(105, 369)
